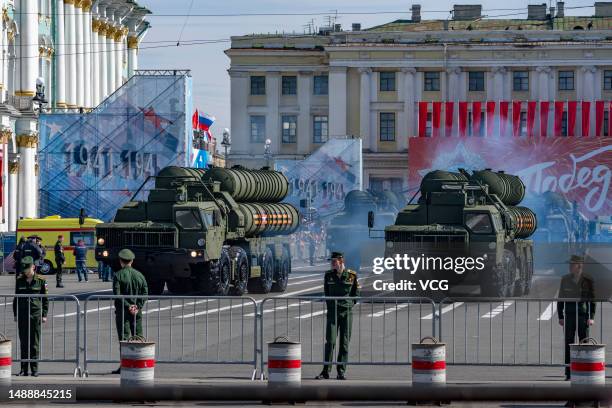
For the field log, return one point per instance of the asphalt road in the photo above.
(215, 338)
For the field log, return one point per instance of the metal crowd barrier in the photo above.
(512, 331)
(59, 336)
(382, 329)
(185, 329)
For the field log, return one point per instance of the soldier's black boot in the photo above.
(341, 376)
(567, 374)
(323, 376)
(117, 371)
(24, 370)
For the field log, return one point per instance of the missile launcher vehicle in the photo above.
(461, 216)
(212, 231)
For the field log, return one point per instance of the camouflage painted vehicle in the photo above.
(212, 231)
(467, 215)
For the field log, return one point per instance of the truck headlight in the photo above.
(100, 241)
(105, 253)
(194, 254)
(201, 242)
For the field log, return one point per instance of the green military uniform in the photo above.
(128, 281)
(339, 315)
(60, 258)
(575, 314)
(29, 313)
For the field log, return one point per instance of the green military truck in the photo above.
(461, 215)
(212, 231)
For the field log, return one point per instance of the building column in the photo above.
(60, 60)
(28, 47)
(239, 89)
(27, 142)
(87, 55)
(80, 58)
(132, 44)
(102, 60)
(273, 82)
(498, 83)
(337, 101)
(95, 50)
(587, 92)
(70, 50)
(5, 137)
(365, 99)
(407, 94)
(110, 59)
(119, 35)
(454, 82)
(305, 127)
(4, 54)
(542, 74)
(13, 192)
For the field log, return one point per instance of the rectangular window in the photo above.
(476, 82)
(320, 84)
(387, 126)
(523, 128)
(289, 128)
(379, 184)
(520, 80)
(481, 131)
(608, 80)
(566, 80)
(564, 124)
(258, 128)
(387, 81)
(428, 125)
(319, 129)
(605, 123)
(289, 85)
(432, 81)
(258, 85)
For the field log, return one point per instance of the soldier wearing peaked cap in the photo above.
(576, 316)
(128, 311)
(30, 313)
(338, 282)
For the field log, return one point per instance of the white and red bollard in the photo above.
(429, 362)
(284, 362)
(6, 360)
(137, 362)
(588, 363)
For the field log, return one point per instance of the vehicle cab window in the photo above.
(188, 219)
(479, 223)
(207, 217)
(87, 237)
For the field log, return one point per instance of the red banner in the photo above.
(531, 110)
(503, 117)
(599, 116)
(476, 122)
(586, 118)
(449, 109)
(580, 169)
(463, 116)
(544, 106)
(435, 118)
(516, 118)
(558, 118)
(422, 118)
(572, 107)
(490, 118)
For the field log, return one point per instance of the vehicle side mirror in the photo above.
(370, 219)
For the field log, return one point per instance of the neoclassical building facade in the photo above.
(81, 51)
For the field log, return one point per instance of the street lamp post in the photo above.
(268, 152)
(226, 143)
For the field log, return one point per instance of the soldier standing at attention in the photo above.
(128, 312)
(29, 312)
(32, 249)
(18, 255)
(338, 282)
(576, 316)
(59, 260)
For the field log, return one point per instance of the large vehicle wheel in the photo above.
(492, 283)
(47, 268)
(263, 283)
(219, 276)
(282, 272)
(241, 278)
(180, 286)
(155, 286)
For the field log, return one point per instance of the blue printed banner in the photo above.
(98, 160)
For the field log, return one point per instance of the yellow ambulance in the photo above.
(48, 228)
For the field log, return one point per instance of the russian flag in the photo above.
(205, 122)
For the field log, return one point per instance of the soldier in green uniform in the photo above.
(338, 282)
(128, 312)
(30, 313)
(576, 316)
(60, 258)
